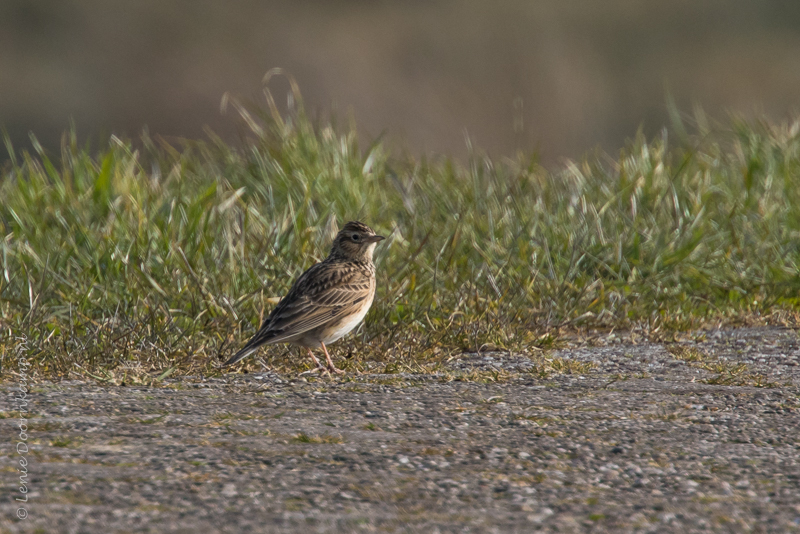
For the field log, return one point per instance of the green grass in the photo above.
(62, 442)
(725, 373)
(324, 438)
(137, 261)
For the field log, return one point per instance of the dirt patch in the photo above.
(695, 436)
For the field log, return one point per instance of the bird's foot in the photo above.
(333, 369)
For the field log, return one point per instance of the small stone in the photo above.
(726, 488)
(543, 514)
(229, 490)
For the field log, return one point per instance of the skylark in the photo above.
(327, 301)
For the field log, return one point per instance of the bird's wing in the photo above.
(330, 292)
(322, 294)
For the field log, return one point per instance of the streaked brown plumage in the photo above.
(327, 301)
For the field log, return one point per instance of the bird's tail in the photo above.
(242, 354)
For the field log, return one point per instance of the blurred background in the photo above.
(556, 76)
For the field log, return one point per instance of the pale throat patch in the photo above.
(370, 250)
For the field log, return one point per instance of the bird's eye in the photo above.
(355, 237)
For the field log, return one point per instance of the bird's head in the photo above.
(356, 241)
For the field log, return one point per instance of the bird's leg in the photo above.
(318, 365)
(332, 368)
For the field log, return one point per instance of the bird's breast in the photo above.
(344, 325)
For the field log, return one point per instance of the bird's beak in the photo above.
(375, 238)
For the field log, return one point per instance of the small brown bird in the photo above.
(327, 301)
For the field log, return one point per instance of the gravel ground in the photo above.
(649, 440)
